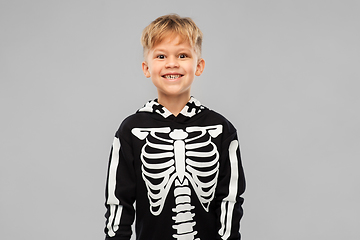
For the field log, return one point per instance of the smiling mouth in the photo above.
(171, 76)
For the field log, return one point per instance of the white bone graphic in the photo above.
(173, 157)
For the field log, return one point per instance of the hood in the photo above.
(192, 108)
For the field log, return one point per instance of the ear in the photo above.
(200, 67)
(145, 68)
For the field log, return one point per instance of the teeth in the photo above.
(172, 76)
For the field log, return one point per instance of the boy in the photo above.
(176, 158)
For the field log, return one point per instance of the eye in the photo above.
(182, 56)
(160, 56)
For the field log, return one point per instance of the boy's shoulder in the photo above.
(134, 119)
(218, 117)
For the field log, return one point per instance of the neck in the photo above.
(174, 103)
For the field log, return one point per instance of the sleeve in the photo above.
(231, 185)
(120, 191)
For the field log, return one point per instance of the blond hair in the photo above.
(168, 26)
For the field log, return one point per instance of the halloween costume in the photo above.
(184, 173)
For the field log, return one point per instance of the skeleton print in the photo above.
(185, 159)
(169, 172)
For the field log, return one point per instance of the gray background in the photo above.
(285, 73)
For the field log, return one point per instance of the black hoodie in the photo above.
(183, 173)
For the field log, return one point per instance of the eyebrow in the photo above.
(159, 49)
(165, 50)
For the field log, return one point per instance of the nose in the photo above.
(172, 62)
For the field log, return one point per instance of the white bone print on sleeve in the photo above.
(180, 157)
(113, 201)
(228, 203)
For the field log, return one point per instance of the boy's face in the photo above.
(172, 66)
